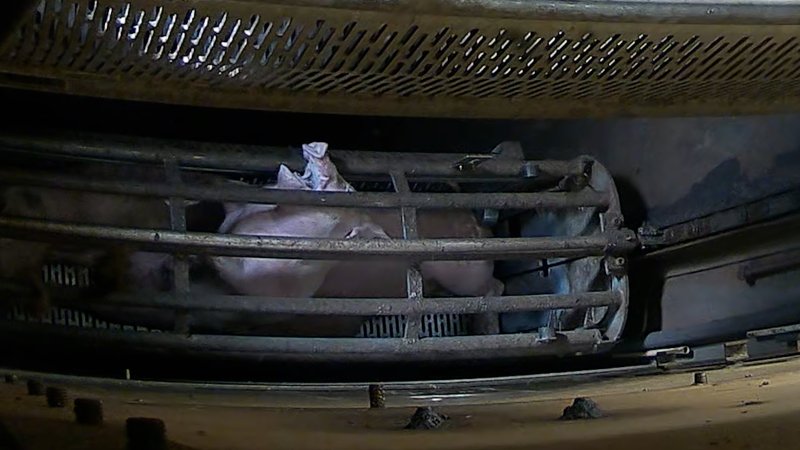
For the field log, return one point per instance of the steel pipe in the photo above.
(613, 241)
(357, 306)
(251, 194)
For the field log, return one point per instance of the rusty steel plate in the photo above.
(483, 58)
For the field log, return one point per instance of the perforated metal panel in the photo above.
(390, 59)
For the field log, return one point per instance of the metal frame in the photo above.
(612, 241)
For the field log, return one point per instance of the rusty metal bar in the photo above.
(349, 306)
(614, 241)
(264, 158)
(318, 349)
(251, 194)
(414, 285)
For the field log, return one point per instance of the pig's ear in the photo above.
(367, 231)
(289, 180)
(315, 150)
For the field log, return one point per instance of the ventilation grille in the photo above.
(262, 55)
(433, 325)
(66, 275)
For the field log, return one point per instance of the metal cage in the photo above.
(533, 187)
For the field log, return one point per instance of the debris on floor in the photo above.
(426, 419)
(582, 408)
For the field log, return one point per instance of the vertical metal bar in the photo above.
(414, 274)
(180, 264)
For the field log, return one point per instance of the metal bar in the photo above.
(614, 241)
(770, 265)
(414, 285)
(262, 158)
(251, 194)
(760, 12)
(180, 264)
(353, 306)
(313, 349)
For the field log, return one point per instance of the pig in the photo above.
(388, 278)
(307, 278)
(287, 277)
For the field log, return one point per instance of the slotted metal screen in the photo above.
(498, 59)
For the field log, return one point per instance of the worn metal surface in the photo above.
(489, 58)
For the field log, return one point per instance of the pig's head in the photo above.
(321, 174)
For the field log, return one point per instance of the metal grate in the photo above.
(267, 55)
(432, 325)
(71, 318)
(59, 274)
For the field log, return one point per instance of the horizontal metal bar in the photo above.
(757, 269)
(263, 158)
(614, 241)
(251, 194)
(755, 12)
(356, 306)
(315, 349)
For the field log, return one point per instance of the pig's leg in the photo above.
(273, 277)
(467, 278)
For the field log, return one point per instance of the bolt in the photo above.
(56, 397)
(88, 411)
(700, 378)
(145, 433)
(11, 378)
(377, 396)
(35, 387)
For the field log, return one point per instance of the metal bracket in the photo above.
(470, 162)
